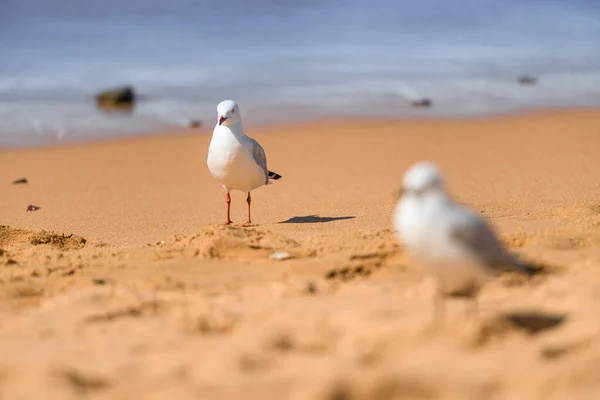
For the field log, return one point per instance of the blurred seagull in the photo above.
(454, 244)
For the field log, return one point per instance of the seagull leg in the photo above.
(249, 200)
(228, 201)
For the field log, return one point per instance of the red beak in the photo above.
(221, 120)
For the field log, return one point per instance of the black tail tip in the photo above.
(274, 175)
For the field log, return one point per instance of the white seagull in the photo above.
(236, 160)
(454, 244)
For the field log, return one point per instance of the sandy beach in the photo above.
(125, 284)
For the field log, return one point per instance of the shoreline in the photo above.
(291, 123)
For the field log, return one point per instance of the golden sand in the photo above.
(124, 284)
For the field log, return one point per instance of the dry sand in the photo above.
(161, 301)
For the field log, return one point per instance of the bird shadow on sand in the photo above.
(535, 322)
(313, 219)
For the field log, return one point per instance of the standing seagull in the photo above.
(236, 160)
(453, 243)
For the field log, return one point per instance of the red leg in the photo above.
(228, 201)
(249, 200)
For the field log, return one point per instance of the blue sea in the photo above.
(286, 60)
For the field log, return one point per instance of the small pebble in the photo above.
(424, 102)
(311, 287)
(31, 207)
(281, 255)
(20, 181)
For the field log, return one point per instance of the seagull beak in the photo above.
(222, 119)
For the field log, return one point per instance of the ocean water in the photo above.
(286, 59)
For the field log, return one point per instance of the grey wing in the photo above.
(258, 153)
(472, 232)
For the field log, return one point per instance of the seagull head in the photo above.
(228, 113)
(423, 177)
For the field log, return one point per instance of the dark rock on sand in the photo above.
(424, 102)
(31, 208)
(118, 99)
(195, 124)
(20, 181)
